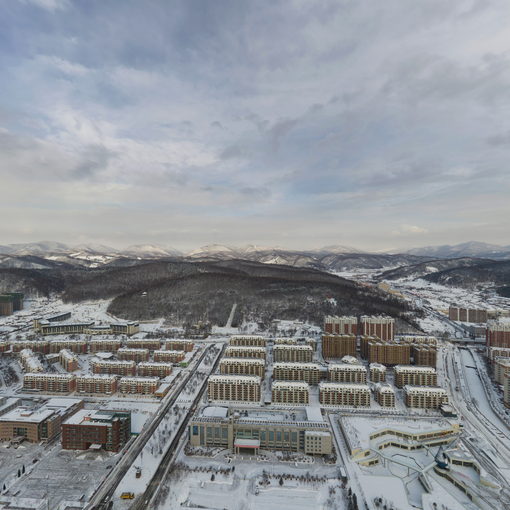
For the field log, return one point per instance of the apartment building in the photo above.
(242, 432)
(301, 353)
(6, 305)
(424, 355)
(417, 340)
(415, 376)
(98, 384)
(152, 344)
(49, 383)
(247, 340)
(175, 344)
(169, 356)
(347, 373)
(344, 394)
(307, 372)
(242, 388)
(245, 352)
(154, 368)
(506, 389)
(136, 355)
(456, 313)
(125, 328)
(381, 326)
(138, 385)
(501, 367)
(389, 353)
(68, 360)
(344, 325)
(113, 367)
(4, 346)
(243, 366)
(41, 346)
(76, 346)
(497, 352)
(104, 345)
(338, 346)
(29, 361)
(498, 333)
(425, 397)
(377, 372)
(384, 394)
(87, 427)
(290, 392)
(364, 340)
(63, 328)
(59, 317)
(285, 341)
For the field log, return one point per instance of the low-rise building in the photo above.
(247, 340)
(245, 352)
(344, 394)
(384, 394)
(76, 346)
(301, 353)
(98, 384)
(68, 360)
(415, 376)
(425, 397)
(63, 328)
(307, 372)
(377, 372)
(175, 344)
(241, 388)
(40, 346)
(125, 328)
(49, 383)
(138, 385)
(116, 367)
(37, 424)
(154, 368)
(243, 366)
(347, 373)
(169, 356)
(338, 346)
(29, 361)
(130, 354)
(239, 432)
(290, 392)
(103, 428)
(152, 344)
(104, 345)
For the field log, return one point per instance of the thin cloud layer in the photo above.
(289, 123)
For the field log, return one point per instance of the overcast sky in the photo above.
(374, 124)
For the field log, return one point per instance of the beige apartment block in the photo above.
(307, 372)
(501, 367)
(347, 373)
(389, 353)
(384, 394)
(113, 367)
(248, 340)
(169, 356)
(415, 376)
(245, 352)
(41, 346)
(138, 385)
(425, 397)
(76, 346)
(68, 360)
(338, 346)
(131, 354)
(242, 388)
(344, 394)
(424, 355)
(243, 366)
(377, 372)
(98, 384)
(175, 344)
(104, 345)
(154, 368)
(290, 392)
(49, 383)
(300, 353)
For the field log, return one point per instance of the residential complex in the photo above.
(415, 376)
(290, 392)
(344, 394)
(248, 340)
(245, 352)
(425, 397)
(234, 387)
(138, 385)
(303, 353)
(49, 383)
(389, 353)
(242, 366)
(307, 372)
(110, 430)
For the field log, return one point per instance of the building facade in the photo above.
(424, 355)
(179, 345)
(425, 397)
(290, 392)
(415, 376)
(382, 327)
(384, 395)
(99, 384)
(68, 360)
(344, 394)
(338, 346)
(456, 313)
(169, 356)
(498, 333)
(247, 340)
(243, 366)
(138, 385)
(152, 344)
(307, 372)
(301, 353)
(241, 388)
(113, 367)
(49, 383)
(351, 373)
(135, 355)
(245, 352)
(104, 345)
(345, 325)
(154, 369)
(377, 372)
(389, 353)
(76, 346)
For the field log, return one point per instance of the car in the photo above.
(127, 495)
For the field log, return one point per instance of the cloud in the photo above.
(409, 229)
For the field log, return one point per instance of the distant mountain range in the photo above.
(469, 249)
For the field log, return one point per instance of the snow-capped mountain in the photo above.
(469, 249)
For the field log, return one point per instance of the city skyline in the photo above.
(290, 124)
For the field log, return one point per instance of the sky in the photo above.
(298, 124)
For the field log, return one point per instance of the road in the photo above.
(106, 490)
(169, 457)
